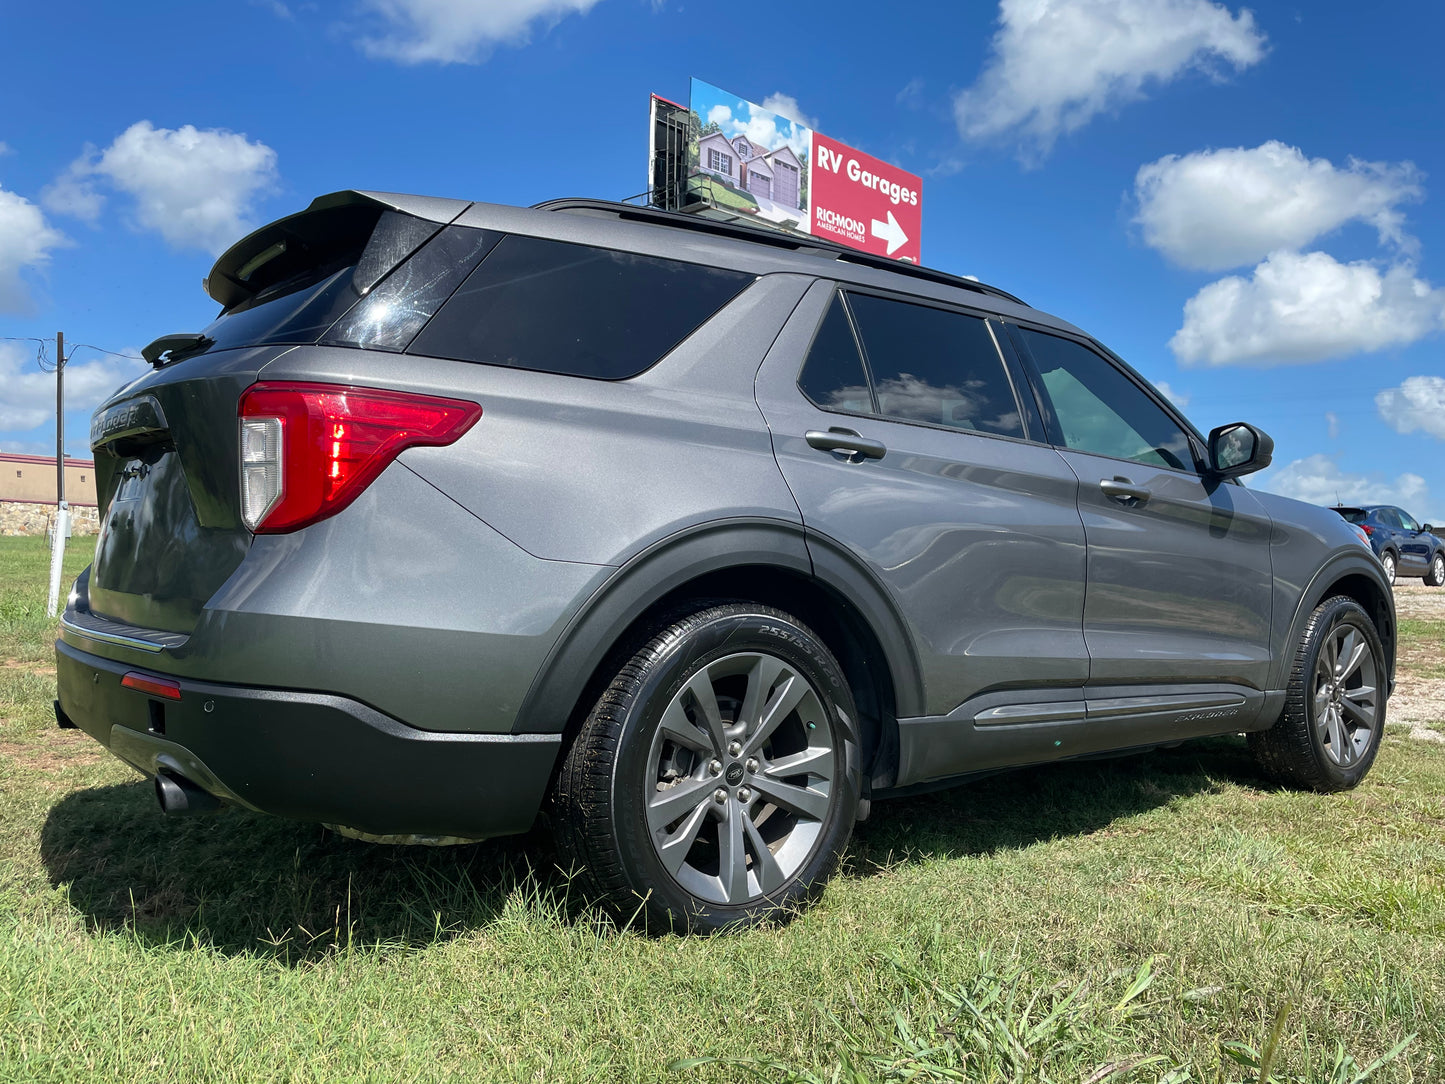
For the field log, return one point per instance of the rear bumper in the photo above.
(312, 757)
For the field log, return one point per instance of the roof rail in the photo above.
(795, 242)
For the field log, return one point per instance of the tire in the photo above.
(1387, 559)
(675, 801)
(1334, 714)
(1436, 576)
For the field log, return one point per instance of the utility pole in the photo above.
(62, 511)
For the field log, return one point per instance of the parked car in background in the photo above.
(697, 537)
(1403, 546)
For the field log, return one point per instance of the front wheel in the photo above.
(717, 778)
(1436, 576)
(1334, 715)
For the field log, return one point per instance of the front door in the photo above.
(1180, 586)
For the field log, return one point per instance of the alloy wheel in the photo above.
(1346, 695)
(741, 773)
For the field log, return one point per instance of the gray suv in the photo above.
(692, 537)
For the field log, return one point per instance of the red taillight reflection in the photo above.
(152, 686)
(1366, 528)
(337, 439)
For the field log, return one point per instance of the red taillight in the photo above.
(308, 450)
(1366, 528)
(152, 686)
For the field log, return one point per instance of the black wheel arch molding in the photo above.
(1355, 574)
(703, 555)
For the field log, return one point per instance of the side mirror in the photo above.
(1238, 449)
(1428, 529)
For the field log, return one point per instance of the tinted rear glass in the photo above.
(1352, 515)
(574, 309)
(934, 366)
(833, 376)
(319, 282)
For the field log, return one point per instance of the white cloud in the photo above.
(1418, 403)
(761, 128)
(785, 105)
(27, 394)
(1298, 308)
(1213, 210)
(4, 148)
(25, 242)
(1332, 423)
(720, 115)
(1318, 479)
(460, 31)
(194, 186)
(1057, 64)
(1178, 398)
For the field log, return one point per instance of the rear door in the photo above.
(913, 459)
(1180, 586)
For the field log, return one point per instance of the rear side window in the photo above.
(574, 309)
(935, 366)
(833, 375)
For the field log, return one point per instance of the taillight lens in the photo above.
(308, 450)
(1367, 529)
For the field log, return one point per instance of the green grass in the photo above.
(1157, 918)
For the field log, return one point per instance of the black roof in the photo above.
(794, 242)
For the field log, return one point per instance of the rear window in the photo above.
(305, 282)
(1352, 515)
(575, 309)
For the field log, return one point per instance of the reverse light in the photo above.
(308, 450)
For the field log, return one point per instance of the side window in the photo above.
(1405, 521)
(931, 365)
(1101, 411)
(564, 308)
(833, 376)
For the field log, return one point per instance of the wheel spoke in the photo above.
(812, 760)
(765, 671)
(1362, 714)
(674, 850)
(801, 800)
(765, 867)
(1355, 650)
(732, 857)
(676, 725)
(1322, 700)
(670, 804)
(706, 700)
(1331, 655)
(788, 696)
(1339, 743)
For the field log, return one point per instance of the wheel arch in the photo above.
(767, 562)
(1359, 579)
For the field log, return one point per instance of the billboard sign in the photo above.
(754, 162)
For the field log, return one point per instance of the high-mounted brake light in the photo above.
(308, 450)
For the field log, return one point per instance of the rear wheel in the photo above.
(1388, 560)
(1436, 576)
(1334, 714)
(717, 778)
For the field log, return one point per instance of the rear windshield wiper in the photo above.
(169, 348)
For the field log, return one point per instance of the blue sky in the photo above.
(1248, 204)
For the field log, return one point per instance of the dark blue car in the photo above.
(1402, 545)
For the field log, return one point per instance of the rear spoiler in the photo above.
(228, 281)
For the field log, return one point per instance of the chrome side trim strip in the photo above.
(1050, 712)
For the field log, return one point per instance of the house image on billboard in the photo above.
(773, 175)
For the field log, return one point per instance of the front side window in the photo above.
(935, 366)
(1405, 521)
(558, 307)
(1101, 411)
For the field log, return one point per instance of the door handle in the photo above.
(1124, 491)
(858, 447)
